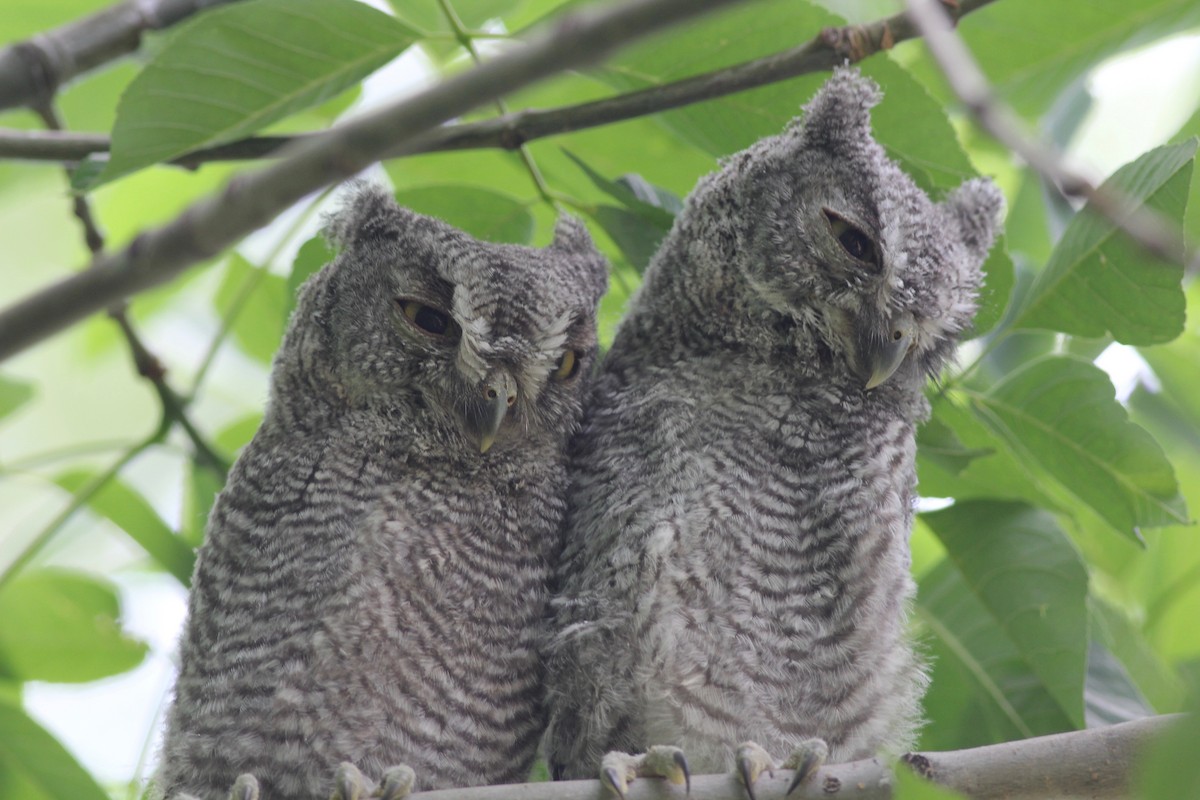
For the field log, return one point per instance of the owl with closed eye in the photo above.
(735, 582)
(371, 593)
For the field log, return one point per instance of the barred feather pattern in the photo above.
(736, 564)
(373, 587)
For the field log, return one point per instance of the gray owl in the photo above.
(736, 574)
(375, 574)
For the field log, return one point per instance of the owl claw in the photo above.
(244, 788)
(805, 760)
(397, 783)
(349, 783)
(613, 778)
(752, 761)
(681, 761)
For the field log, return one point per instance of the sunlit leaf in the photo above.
(261, 303)
(1062, 414)
(487, 215)
(36, 758)
(64, 627)
(13, 395)
(237, 69)
(117, 502)
(1099, 282)
(1031, 582)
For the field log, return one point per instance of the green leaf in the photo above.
(636, 236)
(428, 17)
(117, 502)
(1112, 628)
(998, 282)
(236, 435)
(311, 256)
(1169, 769)
(63, 627)
(1099, 282)
(982, 691)
(938, 443)
(1032, 583)
(1061, 413)
(1109, 694)
(201, 485)
(13, 395)
(261, 304)
(234, 70)
(36, 758)
(487, 215)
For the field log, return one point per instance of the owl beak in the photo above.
(485, 413)
(882, 352)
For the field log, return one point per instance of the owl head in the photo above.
(841, 240)
(463, 344)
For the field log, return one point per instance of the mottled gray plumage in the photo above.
(372, 586)
(737, 562)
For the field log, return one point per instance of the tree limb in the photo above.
(829, 48)
(1094, 763)
(968, 82)
(249, 201)
(31, 71)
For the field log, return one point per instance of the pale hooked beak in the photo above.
(485, 413)
(881, 355)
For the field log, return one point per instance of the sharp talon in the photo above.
(681, 761)
(397, 783)
(614, 781)
(744, 768)
(348, 782)
(797, 779)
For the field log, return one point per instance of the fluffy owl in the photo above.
(736, 574)
(375, 574)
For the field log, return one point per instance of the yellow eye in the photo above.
(568, 365)
(426, 319)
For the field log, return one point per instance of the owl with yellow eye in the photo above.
(369, 601)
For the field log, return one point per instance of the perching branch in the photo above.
(829, 48)
(249, 201)
(968, 82)
(31, 71)
(1095, 763)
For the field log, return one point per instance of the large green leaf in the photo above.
(1155, 679)
(1061, 414)
(235, 70)
(982, 690)
(1099, 282)
(428, 16)
(259, 303)
(129, 511)
(1168, 768)
(37, 760)
(1032, 583)
(487, 215)
(63, 627)
(13, 395)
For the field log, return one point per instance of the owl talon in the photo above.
(244, 788)
(397, 783)
(660, 761)
(681, 761)
(806, 759)
(614, 777)
(350, 784)
(752, 761)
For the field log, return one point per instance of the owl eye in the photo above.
(567, 366)
(427, 319)
(852, 239)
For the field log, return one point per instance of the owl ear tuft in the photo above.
(368, 211)
(978, 206)
(840, 111)
(571, 238)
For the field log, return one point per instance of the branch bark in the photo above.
(968, 82)
(1095, 763)
(31, 71)
(249, 201)
(829, 48)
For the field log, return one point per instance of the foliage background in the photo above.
(1061, 587)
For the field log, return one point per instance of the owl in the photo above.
(735, 580)
(375, 574)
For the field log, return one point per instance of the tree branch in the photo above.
(1095, 763)
(249, 201)
(31, 71)
(1146, 227)
(829, 48)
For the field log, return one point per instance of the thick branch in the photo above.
(250, 201)
(31, 71)
(1144, 226)
(1094, 763)
(826, 50)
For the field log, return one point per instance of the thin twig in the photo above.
(968, 82)
(145, 362)
(831, 47)
(249, 201)
(31, 71)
